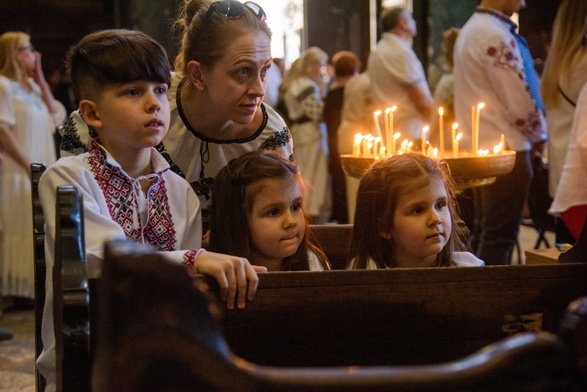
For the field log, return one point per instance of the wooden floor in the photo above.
(17, 355)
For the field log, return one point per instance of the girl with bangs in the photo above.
(406, 217)
(257, 213)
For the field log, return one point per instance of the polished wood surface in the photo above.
(396, 316)
(335, 241)
(156, 333)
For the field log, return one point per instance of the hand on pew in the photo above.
(156, 326)
(237, 278)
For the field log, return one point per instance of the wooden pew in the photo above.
(335, 241)
(156, 333)
(396, 316)
(71, 294)
(40, 269)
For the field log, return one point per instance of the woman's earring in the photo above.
(202, 89)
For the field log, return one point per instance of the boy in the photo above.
(121, 78)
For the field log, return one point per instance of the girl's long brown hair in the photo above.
(232, 201)
(377, 197)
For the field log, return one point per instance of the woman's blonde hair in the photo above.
(10, 42)
(207, 46)
(567, 45)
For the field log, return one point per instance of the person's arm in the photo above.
(10, 146)
(46, 93)
(504, 69)
(236, 277)
(420, 95)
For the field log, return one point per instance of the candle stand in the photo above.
(467, 170)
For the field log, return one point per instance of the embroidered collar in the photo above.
(194, 132)
(158, 163)
(499, 15)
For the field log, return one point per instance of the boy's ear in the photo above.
(194, 70)
(89, 112)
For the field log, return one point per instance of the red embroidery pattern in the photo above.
(505, 58)
(122, 203)
(189, 260)
(531, 127)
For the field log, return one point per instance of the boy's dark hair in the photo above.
(235, 188)
(115, 56)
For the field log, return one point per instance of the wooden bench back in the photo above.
(40, 268)
(71, 294)
(396, 316)
(156, 333)
(335, 241)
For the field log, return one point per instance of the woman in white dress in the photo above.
(304, 102)
(29, 115)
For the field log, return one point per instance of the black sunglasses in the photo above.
(230, 10)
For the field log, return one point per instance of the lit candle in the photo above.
(365, 141)
(393, 141)
(453, 138)
(387, 127)
(382, 152)
(441, 131)
(476, 133)
(376, 120)
(456, 144)
(376, 145)
(423, 148)
(473, 122)
(501, 144)
(357, 144)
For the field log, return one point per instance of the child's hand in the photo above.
(236, 277)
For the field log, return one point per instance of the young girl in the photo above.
(404, 217)
(258, 214)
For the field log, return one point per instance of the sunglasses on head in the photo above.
(230, 10)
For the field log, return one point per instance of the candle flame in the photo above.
(441, 112)
(480, 106)
(459, 136)
(377, 113)
(455, 125)
(387, 111)
(396, 136)
(393, 108)
(425, 129)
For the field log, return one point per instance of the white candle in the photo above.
(424, 130)
(501, 144)
(387, 127)
(455, 143)
(357, 144)
(393, 141)
(441, 131)
(382, 152)
(376, 120)
(473, 122)
(376, 145)
(476, 133)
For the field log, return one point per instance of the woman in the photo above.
(304, 103)
(216, 95)
(29, 115)
(565, 73)
(346, 66)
